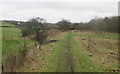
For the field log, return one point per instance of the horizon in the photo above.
(61, 20)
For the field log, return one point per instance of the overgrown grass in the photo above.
(13, 46)
(102, 36)
(12, 41)
(58, 61)
(109, 65)
(82, 62)
(100, 50)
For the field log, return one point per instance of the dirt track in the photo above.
(69, 58)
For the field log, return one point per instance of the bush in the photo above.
(64, 25)
(36, 27)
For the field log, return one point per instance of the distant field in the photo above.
(6, 24)
(101, 36)
(11, 33)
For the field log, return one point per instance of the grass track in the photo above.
(57, 59)
(75, 57)
(82, 62)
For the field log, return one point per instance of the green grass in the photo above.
(102, 36)
(11, 33)
(6, 24)
(12, 46)
(57, 61)
(82, 62)
(12, 41)
(99, 48)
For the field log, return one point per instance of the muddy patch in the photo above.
(51, 41)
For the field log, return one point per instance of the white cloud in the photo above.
(55, 11)
(59, 0)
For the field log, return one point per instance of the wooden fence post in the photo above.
(89, 43)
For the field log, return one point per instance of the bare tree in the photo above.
(37, 27)
(64, 25)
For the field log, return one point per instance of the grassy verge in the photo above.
(13, 43)
(12, 46)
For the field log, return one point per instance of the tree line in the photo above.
(98, 25)
(107, 24)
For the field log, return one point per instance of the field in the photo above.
(6, 24)
(71, 54)
(12, 42)
(75, 51)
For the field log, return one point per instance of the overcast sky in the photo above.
(53, 11)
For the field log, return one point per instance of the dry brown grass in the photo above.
(83, 32)
(37, 61)
(53, 33)
(91, 32)
(102, 52)
(110, 44)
